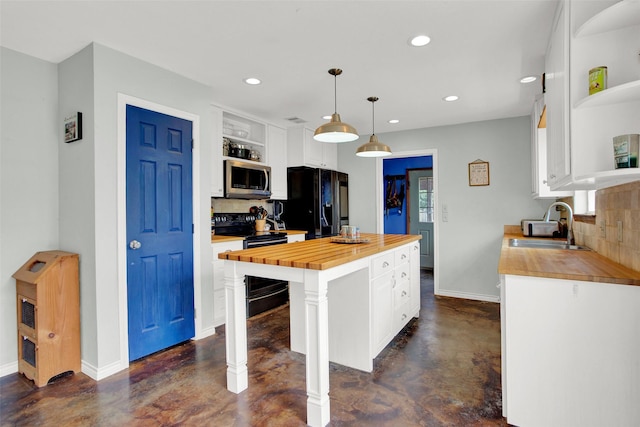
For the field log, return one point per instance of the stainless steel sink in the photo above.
(545, 244)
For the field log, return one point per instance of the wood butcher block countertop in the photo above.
(319, 254)
(562, 264)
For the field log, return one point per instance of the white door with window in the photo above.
(421, 212)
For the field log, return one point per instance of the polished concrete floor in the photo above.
(443, 369)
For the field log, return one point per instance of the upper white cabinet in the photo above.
(557, 100)
(539, 186)
(240, 137)
(243, 138)
(277, 159)
(603, 33)
(217, 166)
(303, 150)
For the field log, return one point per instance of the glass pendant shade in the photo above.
(335, 131)
(373, 148)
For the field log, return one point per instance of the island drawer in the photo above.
(402, 255)
(382, 264)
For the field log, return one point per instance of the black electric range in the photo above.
(262, 294)
(243, 225)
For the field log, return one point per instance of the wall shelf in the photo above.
(627, 92)
(606, 179)
(625, 13)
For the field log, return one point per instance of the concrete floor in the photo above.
(443, 369)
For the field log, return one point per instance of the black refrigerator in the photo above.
(317, 201)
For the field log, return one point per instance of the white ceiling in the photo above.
(479, 51)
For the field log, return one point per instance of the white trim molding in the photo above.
(436, 227)
(123, 101)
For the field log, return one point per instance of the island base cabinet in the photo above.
(572, 352)
(348, 305)
(367, 308)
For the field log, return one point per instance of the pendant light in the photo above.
(335, 130)
(373, 148)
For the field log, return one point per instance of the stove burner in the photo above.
(242, 225)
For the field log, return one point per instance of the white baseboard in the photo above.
(99, 374)
(207, 332)
(467, 295)
(8, 368)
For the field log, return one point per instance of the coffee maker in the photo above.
(276, 222)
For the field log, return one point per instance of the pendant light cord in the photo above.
(373, 117)
(335, 94)
(372, 100)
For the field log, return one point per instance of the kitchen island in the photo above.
(375, 285)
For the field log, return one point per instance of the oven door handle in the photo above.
(265, 243)
(269, 295)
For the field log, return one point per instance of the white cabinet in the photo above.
(539, 186)
(245, 137)
(231, 131)
(382, 310)
(557, 99)
(604, 36)
(291, 238)
(217, 166)
(367, 308)
(395, 284)
(219, 304)
(575, 362)
(303, 150)
(237, 136)
(277, 159)
(595, 34)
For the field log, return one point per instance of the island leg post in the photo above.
(235, 329)
(317, 349)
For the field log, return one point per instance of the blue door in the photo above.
(159, 231)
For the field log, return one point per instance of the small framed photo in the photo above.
(73, 128)
(478, 173)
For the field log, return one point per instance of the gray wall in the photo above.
(470, 240)
(41, 175)
(29, 132)
(77, 195)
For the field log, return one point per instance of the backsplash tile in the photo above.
(621, 203)
(237, 205)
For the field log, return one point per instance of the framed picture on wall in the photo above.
(478, 173)
(73, 127)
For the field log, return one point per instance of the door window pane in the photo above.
(425, 199)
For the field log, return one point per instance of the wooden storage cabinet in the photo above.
(48, 308)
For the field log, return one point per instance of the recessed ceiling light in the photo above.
(450, 98)
(420, 40)
(528, 79)
(394, 121)
(252, 81)
(328, 117)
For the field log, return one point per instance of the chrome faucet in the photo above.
(569, 225)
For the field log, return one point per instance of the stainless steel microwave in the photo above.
(245, 180)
